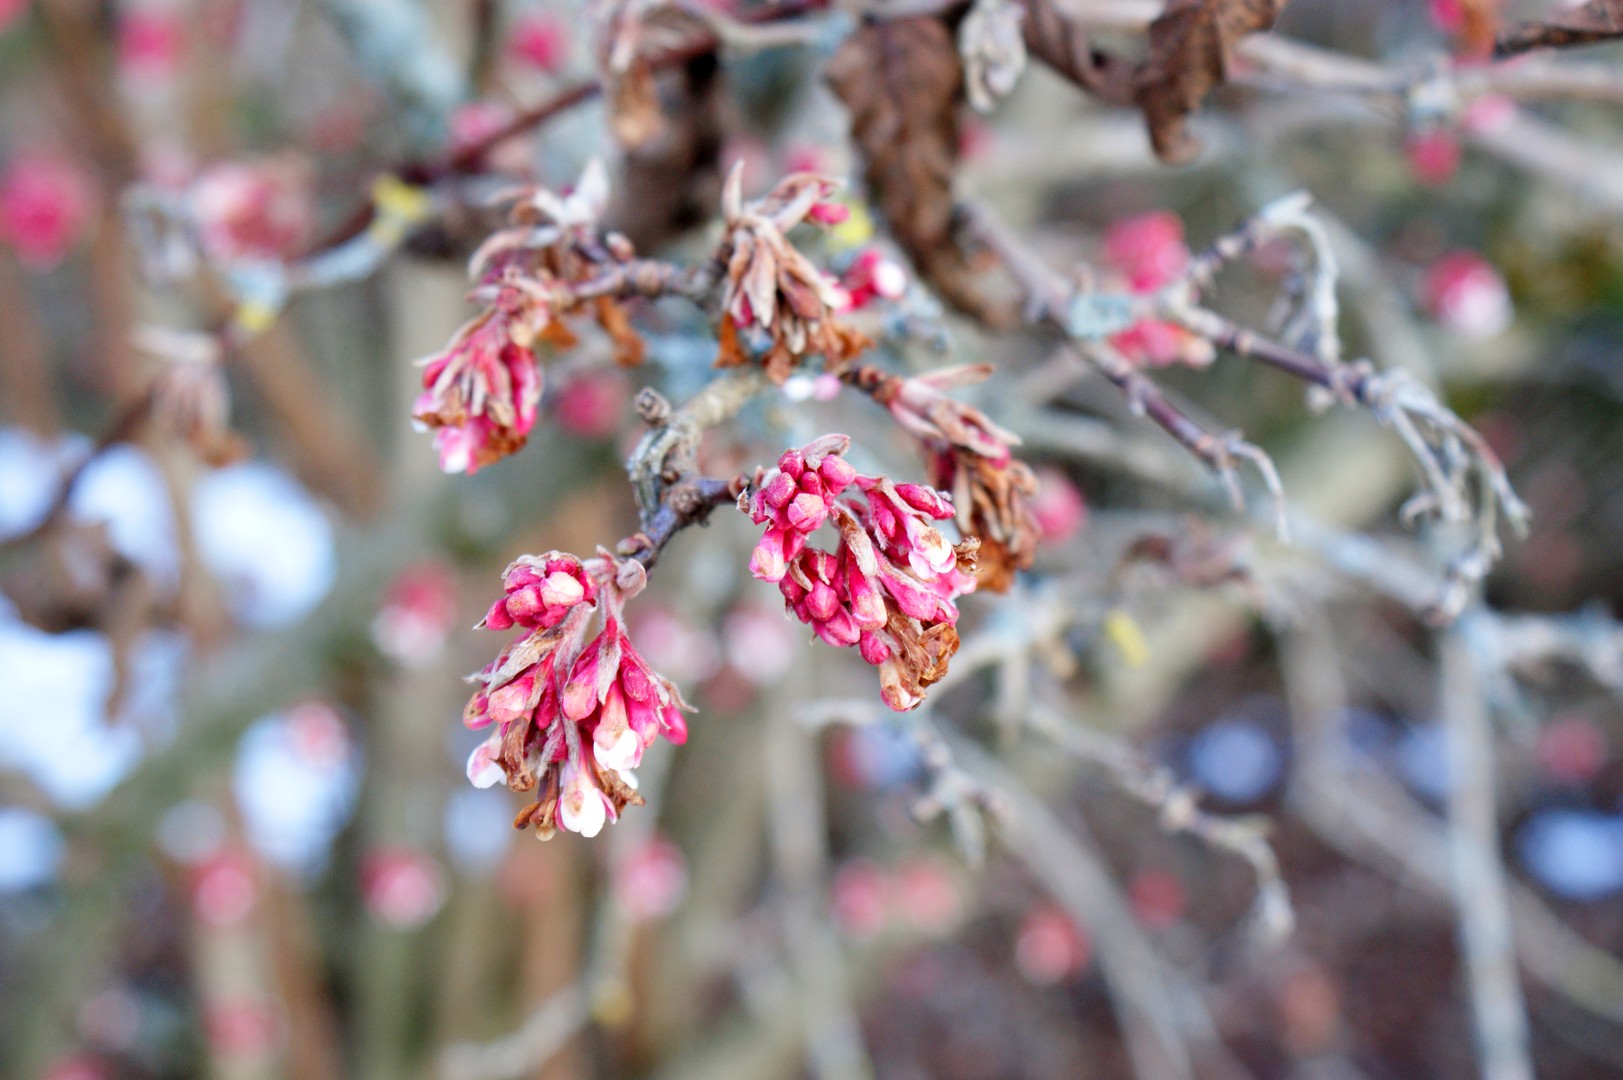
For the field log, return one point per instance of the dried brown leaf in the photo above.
(634, 112)
(1479, 23)
(1190, 45)
(671, 184)
(730, 351)
(1598, 20)
(629, 348)
(902, 81)
(1064, 46)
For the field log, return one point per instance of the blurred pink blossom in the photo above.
(76, 1066)
(675, 644)
(1434, 156)
(859, 897)
(1049, 947)
(1490, 112)
(151, 43)
(1058, 506)
(1447, 15)
(759, 643)
(11, 11)
(1158, 898)
(1466, 294)
(650, 881)
(928, 895)
(873, 275)
(45, 205)
(1571, 749)
(403, 888)
(592, 404)
(1147, 252)
(418, 614)
(224, 889)
(318, 733)
(253, 210)
(540, 41)
(245, 1029)
(1147, 249)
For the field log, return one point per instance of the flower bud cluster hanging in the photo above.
(570, 712)
(889, 584)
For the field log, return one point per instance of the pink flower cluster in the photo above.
(570, 716)
(483, 391)
(539, 591)
(887, 588)
(1148, 252)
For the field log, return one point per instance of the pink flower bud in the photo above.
(770, 559)
(829, 213)
(893, 571)
(513, 700)
(837, 473)
(582, 806)
(822, 602)
(562, 590)
(779, 490)
(622, 751)
(841, 631)
(483, 770)
(807, 511)
(673, 725)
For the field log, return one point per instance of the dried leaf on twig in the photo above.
(1064, 46)
(1190, 45)
(1598, 20)
(671, 184)
(902, 81)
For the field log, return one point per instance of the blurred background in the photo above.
(236, 839)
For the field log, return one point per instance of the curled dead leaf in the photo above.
(1190, 46)
(1598, 20)
(902, 80)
